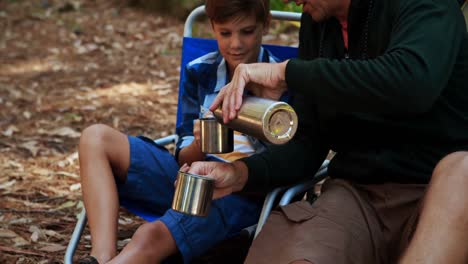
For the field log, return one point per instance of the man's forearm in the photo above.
(242, 173)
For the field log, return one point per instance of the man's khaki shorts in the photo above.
(348, 223)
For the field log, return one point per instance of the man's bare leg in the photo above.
(104, 153)
(442, 231)
(151, 243)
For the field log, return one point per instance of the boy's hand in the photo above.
(193, 151)
(196, 133)
(267, 79)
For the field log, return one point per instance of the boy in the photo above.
(115, 166)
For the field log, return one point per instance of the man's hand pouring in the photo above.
(263, 79)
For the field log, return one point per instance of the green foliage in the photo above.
(179, 9)
(190, 4)
(280, 5)
(274, 5)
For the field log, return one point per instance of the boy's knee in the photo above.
(148, 235)
(149, 232)
(94, 135)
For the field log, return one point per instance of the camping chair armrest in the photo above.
(301, 188)
(267, 206)
(167, 140)
(75, 238)
(304, 186)
(291, 192)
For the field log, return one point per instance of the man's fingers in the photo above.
(197, 168)
(218, 100)
(184, 168)
(232, 105)
(221, 172)
(202, 168)
(239, 92)
(226, 111)
(238, 96)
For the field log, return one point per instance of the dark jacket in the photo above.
(391, 111)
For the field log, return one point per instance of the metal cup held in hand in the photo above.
(268, 120)
(215, 137)
(193, 194)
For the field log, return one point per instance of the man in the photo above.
(383, 84)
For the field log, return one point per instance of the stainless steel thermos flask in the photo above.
(268, 120)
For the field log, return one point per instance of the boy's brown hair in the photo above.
(222, 10)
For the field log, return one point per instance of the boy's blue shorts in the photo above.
(150, 183)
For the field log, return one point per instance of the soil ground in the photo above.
(65, 65)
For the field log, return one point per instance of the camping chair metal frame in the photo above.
(200, 11)
(289, 192)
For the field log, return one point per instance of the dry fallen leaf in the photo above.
(75, 187)
(52, 233)
(62, 131)
(35, 236)
(31, 146)
(7, 184)
(67, 204)
(68, 174)
(53, 248)
(10, 130)
(36, 233)
(123, 243)
(5, 233)
(18, 241)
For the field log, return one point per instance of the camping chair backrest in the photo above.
(193, 47)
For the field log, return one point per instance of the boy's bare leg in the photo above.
(442, 230)
(104, 153)
(151, 243)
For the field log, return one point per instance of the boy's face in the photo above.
(239, 40)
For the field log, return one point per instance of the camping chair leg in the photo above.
(75, 239)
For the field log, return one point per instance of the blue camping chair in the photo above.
(193, 48)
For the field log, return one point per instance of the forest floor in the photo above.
(65, 65)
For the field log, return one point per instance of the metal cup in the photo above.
(193, 194)
(215, 137)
